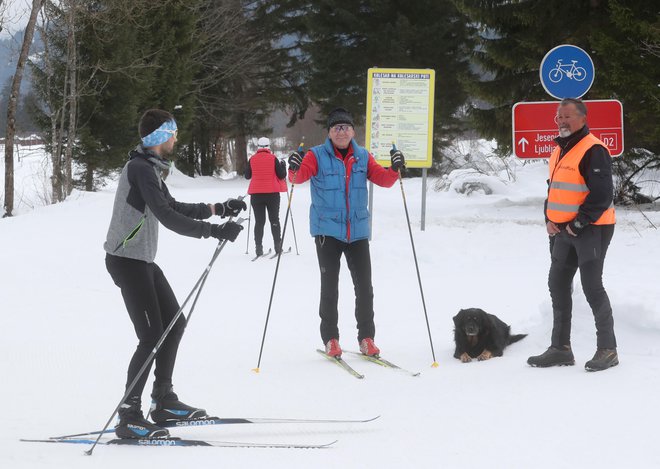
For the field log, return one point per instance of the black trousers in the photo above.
(260, 204)
(151, 305)
(586, 253)
(329, 251)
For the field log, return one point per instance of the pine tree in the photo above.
(342, 40)
(131, 55)
(515, 36)
(247, 71)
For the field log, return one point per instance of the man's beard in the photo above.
(564, 132)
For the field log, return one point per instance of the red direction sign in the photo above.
(534, 127)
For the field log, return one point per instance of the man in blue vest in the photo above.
(339, 222)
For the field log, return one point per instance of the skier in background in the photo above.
(339, 222)
(142, 202)
(267, 179)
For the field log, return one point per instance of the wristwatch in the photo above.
(578, 224)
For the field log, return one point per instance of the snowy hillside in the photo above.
(66, 338)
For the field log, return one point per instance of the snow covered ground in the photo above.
(66, 339)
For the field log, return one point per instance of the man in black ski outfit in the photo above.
(142, 202)
(580, 221)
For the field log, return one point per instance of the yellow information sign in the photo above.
(400, 111)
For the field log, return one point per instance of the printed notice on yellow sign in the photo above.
(400, 111)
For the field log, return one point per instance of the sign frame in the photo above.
(597, 131)
(417, 156)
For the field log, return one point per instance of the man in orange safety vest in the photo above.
(580, 220)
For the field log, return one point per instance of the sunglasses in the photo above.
(341, 127)
(173, 132)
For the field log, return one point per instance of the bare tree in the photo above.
(12, 105)
(2, 13)
(71, 96)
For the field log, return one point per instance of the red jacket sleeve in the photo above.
(384, 177)
(308, 168)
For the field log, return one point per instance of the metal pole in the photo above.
(419, 278)
(277, 266)
(424, 171)
(247, 241)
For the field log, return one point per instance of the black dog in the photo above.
(481, 335)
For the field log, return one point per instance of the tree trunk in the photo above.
(89, 178)
(240, 155)
(13, 104)
(57, 192)
(72, 100)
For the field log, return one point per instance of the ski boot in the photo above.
(166, 407)
(332, 348)
(132, 423)
(368, 348)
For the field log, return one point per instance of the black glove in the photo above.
(397, 159)
(228, 231)
(230, 208)
(577, 226)
(295, 160)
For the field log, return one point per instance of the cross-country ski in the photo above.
(274, 255)
(161, 442)
(203, 422)
(261, 256)
(378, 360)
(342, 364)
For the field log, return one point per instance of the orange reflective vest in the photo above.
(568, 189)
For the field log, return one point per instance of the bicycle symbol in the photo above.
(571, 71)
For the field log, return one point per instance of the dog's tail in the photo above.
(516, 338)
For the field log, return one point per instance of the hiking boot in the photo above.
(166, 407)
(553, 357)
(604, 358)
(132, 423)
(332, 348)
(367, 347)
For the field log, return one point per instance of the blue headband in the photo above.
(161, 135)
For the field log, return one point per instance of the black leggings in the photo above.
(261, 203)
(151, 305)
(329, 251)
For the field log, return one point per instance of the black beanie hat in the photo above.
(339, 116)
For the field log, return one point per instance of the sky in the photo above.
(66, 338)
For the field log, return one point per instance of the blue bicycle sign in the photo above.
(567, 72)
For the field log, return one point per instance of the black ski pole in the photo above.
(419, 278)
(163, 336)
(277, 266)
(247, 241)
(192, 308)
(293, 227)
